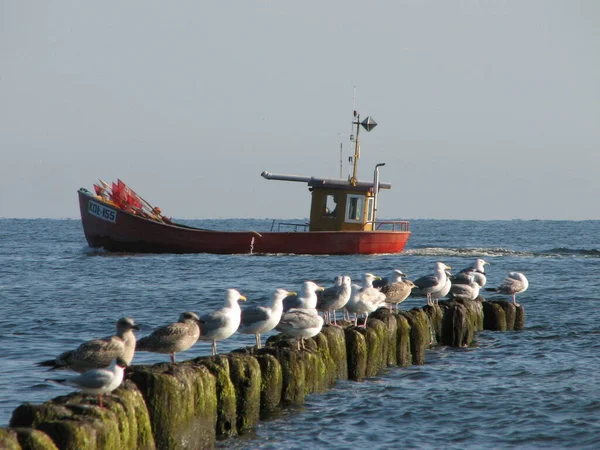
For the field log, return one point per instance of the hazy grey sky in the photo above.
(486, 109)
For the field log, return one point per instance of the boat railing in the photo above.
(391, 225)
(288, 226)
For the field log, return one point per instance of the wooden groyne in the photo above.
(191, 404)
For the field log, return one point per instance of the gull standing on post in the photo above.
(222, 323)
(396, 290)
(365, 299)
(335, 298)
(97, 381)
(99, 353)
(513, 284)
(306, 299)
(477, 269)
(435, 282)
(465, 291)
(300, 324)
(174, 338)
(262, 319)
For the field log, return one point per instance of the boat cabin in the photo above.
(337, 204)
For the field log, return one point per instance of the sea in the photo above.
(534, 388)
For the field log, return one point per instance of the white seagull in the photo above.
(300, 324)
(435, 282)
(97, 381)
(513, 284)
(262, 319)
(334, 297)
(222, 323)
(306, 298)
(365, 299)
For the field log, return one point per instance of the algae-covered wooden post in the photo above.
(25, 439)
(70, 423)
(271, 383)
(391, 325)
(246, 378)
(356, 353)
(377, 347)
(420, 334)
(218, 365)
(182, 403)
(494, 317)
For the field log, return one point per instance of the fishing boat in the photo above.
(342, 220)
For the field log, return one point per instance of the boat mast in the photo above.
(368, 124)
(356, 149)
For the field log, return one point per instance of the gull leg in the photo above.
(173, 358)
(214, 347)
(257, 340)
(366, 318)
(100, 401)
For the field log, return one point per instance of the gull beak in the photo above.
(379, 278)
(243, 298)
(136, 327)
(292, 293)
(320, 288)
(448, 267)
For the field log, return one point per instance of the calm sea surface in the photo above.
(536, 388)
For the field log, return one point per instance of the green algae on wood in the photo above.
(458, 328)
(246, 378)
(271, 382)
(72, 424)
(436, 317)
(391, 325)
(218, 365)
(182, 404)
(520, 318)
(31, 439)
(9, 439)
(356, 353)
(403, 353)
(329, 366)
(336, 342)
(420, 334)
(377, 347)
(494, 317)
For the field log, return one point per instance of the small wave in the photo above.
(499, 251)
(470, 252)
(564, 251)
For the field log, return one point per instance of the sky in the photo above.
(485, 109)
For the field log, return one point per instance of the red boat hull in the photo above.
(108, 227)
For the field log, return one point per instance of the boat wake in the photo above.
(560, 252)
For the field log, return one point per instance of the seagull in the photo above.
(306, 299)
(513, 284)
(435, 296)
(300, 324)
(222, 323)
(477, 269)
(335, 297)
(99, 353)
(396, 290)
(365, 299)
(262, 319)
(464, 291)
(174, 338)
(429, 284)
(97, 381)
(326, 295)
